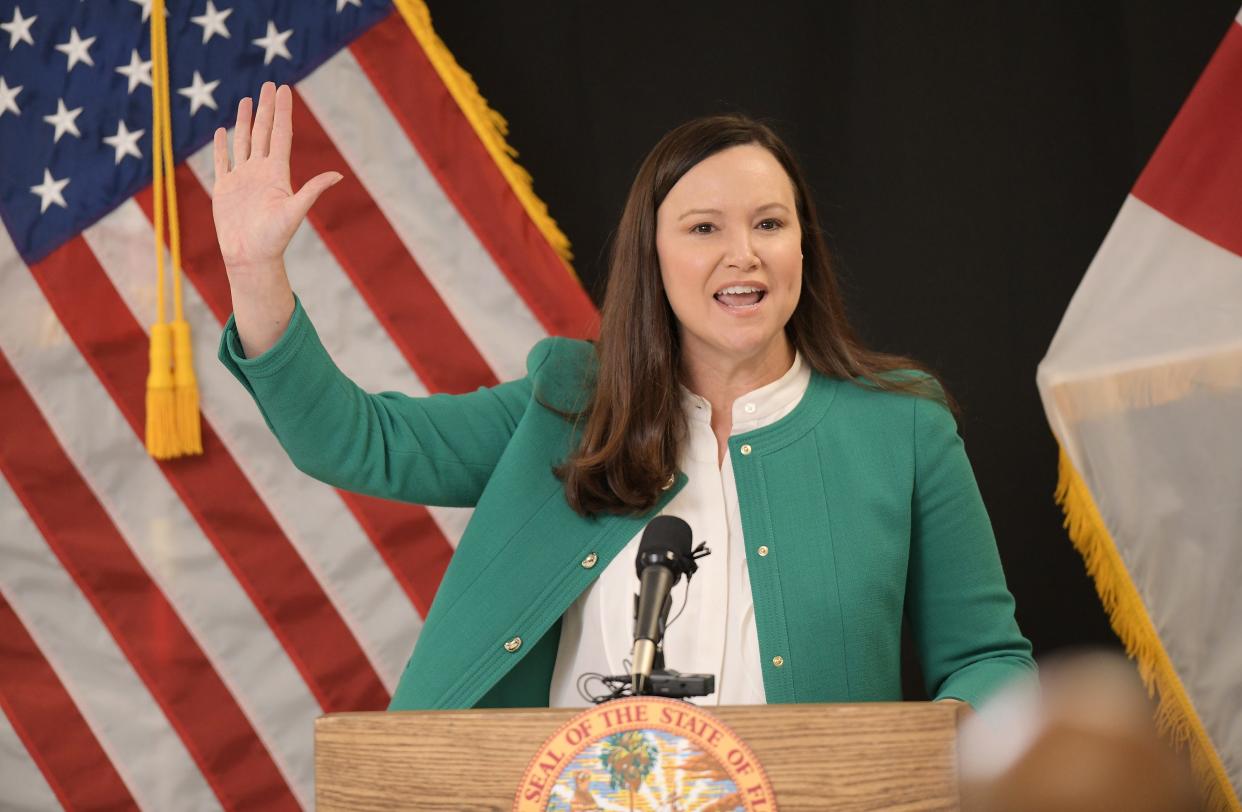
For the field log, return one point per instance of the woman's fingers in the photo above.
(311, 190)
(241, 132)
(260, 138)
(282, 125)
(220, 152)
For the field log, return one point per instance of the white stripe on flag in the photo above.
(130, 727)
(325, 533)
(25, 788)
(1129, 281)
(158, 528)
(1108, 331)
(461, 270)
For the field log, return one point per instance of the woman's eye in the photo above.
(770, 224)
(703, 228)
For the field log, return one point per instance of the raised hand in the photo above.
(257, 212)
(255, 208)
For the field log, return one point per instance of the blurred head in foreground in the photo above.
(1083, 739)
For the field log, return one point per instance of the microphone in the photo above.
(663, 555)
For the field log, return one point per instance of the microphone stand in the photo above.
(664, 681)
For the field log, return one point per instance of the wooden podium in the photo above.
(818, 757)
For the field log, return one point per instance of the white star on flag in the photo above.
(64, 121)
(8, 98)
(77, 49)
(212, 21)
(137, 71)
(19, 28)
(146, 8)
(124, 142)
(199, 93)
(341, 4)
(273, 43)
(49, 191)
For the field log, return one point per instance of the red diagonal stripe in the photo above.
(404, 535)
(384, 272)
(215, 491)
(1195, 176)
(453, 152)
(180, 678)
(50, 725)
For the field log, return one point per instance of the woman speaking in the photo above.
(726, 388)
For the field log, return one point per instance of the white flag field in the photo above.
(1142, 386)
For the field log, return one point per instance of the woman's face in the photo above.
(730, 249)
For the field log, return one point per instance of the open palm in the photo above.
(255, 208)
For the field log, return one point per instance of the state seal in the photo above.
(644, 753)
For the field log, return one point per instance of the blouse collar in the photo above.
(760, 407)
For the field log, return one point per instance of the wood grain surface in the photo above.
(818, 757)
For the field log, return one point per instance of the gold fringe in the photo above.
(490, 125)
(1175, 715)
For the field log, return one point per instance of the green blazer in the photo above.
(864, 499)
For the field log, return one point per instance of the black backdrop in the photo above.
(968, 159)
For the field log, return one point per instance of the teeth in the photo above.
(739, 289)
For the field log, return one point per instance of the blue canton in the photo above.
(75, 93)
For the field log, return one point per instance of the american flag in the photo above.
(169, 631)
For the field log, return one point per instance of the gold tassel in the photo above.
(173, 425)
(189, 429)
(1176, 717)
(162, 441)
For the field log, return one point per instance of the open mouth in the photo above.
(740, 297)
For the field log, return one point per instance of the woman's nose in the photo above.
(740, 252)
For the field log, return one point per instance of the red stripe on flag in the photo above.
(384, 272)
(49, 723)
(1195, 176)
(215, 491)
(448, 144)
(165, 656)
(408, 540)
(404, 535)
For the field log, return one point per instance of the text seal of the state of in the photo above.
(644, 753)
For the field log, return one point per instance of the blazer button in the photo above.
(513, 645)
(762, 551)
(778, 661)
(745, 449)
(589, 561)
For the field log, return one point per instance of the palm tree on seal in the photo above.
(628, 757)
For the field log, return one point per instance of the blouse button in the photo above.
(745, 449)
(513, 645)
(762, 551)
(778, 661)
(749, 408)
(589, 561)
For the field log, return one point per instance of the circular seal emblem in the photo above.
(644, 753)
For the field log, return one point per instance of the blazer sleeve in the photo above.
(437, 450)
(961, 612)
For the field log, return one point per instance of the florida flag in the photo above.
(169, 631)
(1143, 388)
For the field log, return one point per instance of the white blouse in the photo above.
(716, 633)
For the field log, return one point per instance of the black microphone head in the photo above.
(667, 540)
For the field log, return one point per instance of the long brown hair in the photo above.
(633, 425)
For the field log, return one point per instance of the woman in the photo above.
(726, 388)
